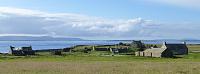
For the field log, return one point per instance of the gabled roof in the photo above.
(176, 46)
(177, 49)
(23, 48)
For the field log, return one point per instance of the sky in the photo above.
(101, 19)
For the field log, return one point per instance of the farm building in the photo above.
(155, 52)
(119, 50)
(167, 50)
(177, 49)
(22, 51)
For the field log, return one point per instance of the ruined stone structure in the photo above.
(21, 51)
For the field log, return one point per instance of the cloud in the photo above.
(195, 4)
(25, 22)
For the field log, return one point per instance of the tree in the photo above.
(155, 46)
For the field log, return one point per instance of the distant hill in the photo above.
(32, 38)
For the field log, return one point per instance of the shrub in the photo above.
(56, 53)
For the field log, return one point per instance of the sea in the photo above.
(40, 45)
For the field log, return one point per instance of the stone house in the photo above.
(21, 51)
(167, 50)
(155, 52)
(177, 49)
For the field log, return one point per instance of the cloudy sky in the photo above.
(101, 19)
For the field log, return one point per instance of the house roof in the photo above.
(176, 46)
(23, 48)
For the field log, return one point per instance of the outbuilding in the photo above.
(155, 52)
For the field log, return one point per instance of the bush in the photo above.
(84, 49)
(121, 43)
(133, 49)
(56, 53)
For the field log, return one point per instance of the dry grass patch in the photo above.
(100, 67)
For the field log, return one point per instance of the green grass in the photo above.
(96, 63)
(194, 48)
(73, 64)
(192, 57)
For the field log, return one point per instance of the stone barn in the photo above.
(155, 52)
(167, 50)
(22, 51)
(177, 49)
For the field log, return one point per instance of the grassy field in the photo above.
(89, 64)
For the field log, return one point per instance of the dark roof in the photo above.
(176, 46)
(178, 49)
